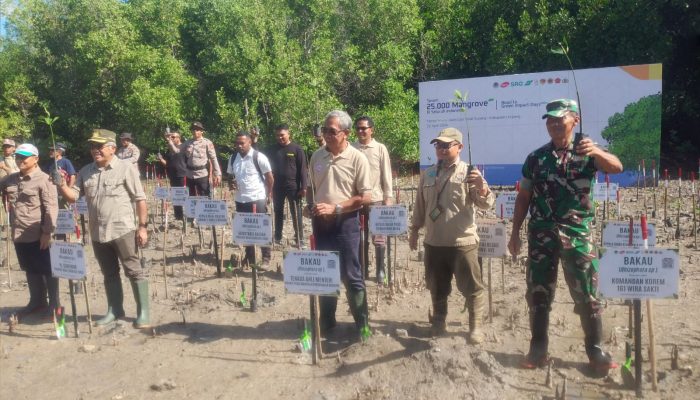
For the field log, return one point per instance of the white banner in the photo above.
(617, 234)
(81, 206)
(67, 260)
(388, 220)
(211, 213)
(504, 113)
(190, 207)
(179, 195)
(492, 238)
(605, 191)
(65, 223)
(312, 272)
(639, 274)
(252, 229)
(162, 193)
(505, 205)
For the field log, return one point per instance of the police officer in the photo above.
(288, 162)
(128, 151)
(112, 189)
(338, 188)
(556, 187)
(448, 195)
(33, 219)
(380, 181)
(8, 164)
(199, 153)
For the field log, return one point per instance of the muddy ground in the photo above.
(206, 345)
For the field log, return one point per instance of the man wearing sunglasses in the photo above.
(33, 217)
(382, 192)
(112, 189)
(556, 187)
(339, 186)
(448, 195)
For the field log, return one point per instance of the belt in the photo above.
(197, 168)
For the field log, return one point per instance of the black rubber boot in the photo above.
(438, 325)
(327, 307)
(598, 359)
(37, 294)
(115, 301)
(54, 296)
(539, 342)
(380, 252)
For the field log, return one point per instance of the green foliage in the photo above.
(142, 65)
(633, 135)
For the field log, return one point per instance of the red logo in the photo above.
(505, 84)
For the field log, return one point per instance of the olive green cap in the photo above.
(102, 136)
(558, 108)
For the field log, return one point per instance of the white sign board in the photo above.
(162, 193)
(312, 272)
(605, 192)
(211, 213)
(492, 238)
(505, 205)
(190, 207)
(504, 113)
(639, 274)
(81, 206)
(67, 260)
(388, 220)
(179, 195)
(252, 229)
(65, 223)
(617, 234)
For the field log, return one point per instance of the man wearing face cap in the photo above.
(112, 189)
(199, 154)
(8, 164)
(448, 195)
(128, 151)
(57, 159)
(556, 187)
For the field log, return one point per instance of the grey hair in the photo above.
(344, 119)
(110, 144)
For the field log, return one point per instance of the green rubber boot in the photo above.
(115, 301)
(143, 304)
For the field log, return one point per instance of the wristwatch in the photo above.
(143, 225)
(338, 209)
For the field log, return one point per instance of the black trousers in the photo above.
(278, 197)
(199, 186)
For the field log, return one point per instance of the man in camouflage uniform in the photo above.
(199, 152)
(8, 164)
(128, 151)
(556, 187)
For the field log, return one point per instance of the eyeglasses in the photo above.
(444, 146)
(331, 131)
(362, 128)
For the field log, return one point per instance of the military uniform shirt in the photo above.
(34, 205)
(11, 163)
(560, 182)
(379, 169)
(456, 224)
(336, 179)
(110, 193)
(130, 154)
(198, 154)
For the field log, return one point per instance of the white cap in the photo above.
(27, 150)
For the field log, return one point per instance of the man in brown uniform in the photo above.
(8, 164)
(33, 218)
(338, 188)
(448, 195)
(111, 187)
(129, 152)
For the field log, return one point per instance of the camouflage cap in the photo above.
(558, 108)
(102, 136)
(8, 142)
(448, 135)
(197, 125)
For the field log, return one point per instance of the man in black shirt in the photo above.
(288, 162)
(176, 167)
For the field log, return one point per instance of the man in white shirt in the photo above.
(252, 179)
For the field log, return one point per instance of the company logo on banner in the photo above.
(503, 114)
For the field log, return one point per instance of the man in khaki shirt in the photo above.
(33, 211)
(382, 192)
(111, 186)
(8, 164)
(338, 188)
(129, 152)
(445, 205)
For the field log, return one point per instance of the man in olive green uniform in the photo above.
(556, 187)
(448, 195)
(112, 189)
